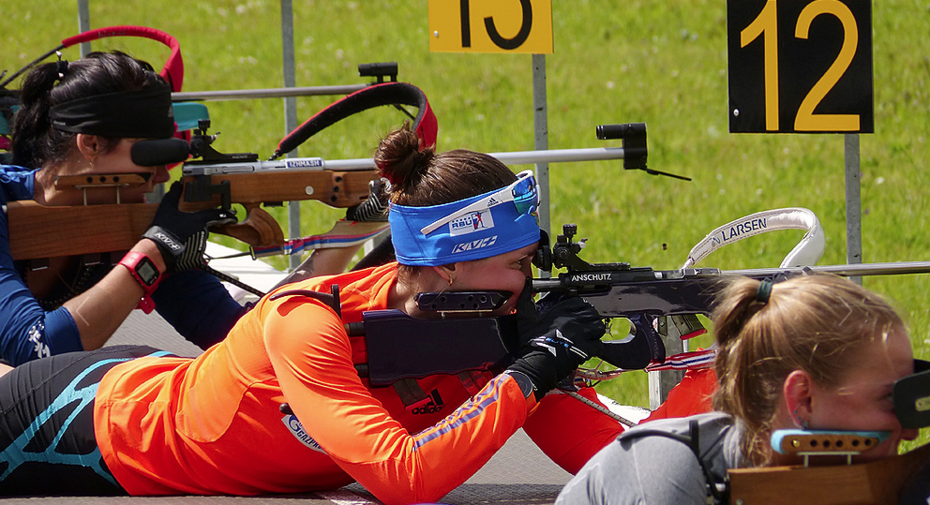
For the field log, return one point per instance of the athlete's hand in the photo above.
(193, 256)
(173, 230)
(555, 342)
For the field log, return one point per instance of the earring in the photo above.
(804, 424)
(451, 280)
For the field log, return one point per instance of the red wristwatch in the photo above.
(145, 272)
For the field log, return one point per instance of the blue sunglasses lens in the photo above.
(525, 197)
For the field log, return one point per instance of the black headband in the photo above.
(144, 114)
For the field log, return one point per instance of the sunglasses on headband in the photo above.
(524, 193)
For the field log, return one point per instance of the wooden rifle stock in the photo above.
(38, 231)
(876, 482)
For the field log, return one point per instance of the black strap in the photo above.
(388, 93)
(331, 299)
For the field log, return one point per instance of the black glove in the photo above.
(172, 229)
(554, 343)
(375, 207)
(194, 249)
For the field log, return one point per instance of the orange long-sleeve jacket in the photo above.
(213, 424)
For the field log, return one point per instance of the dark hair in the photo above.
(814, 323)
(35, 143)
(420, 178)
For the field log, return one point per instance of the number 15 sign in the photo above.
(800, 66)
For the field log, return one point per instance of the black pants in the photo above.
(47, 424)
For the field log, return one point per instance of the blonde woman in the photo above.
(813, 352)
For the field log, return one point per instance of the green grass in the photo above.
(661, 63)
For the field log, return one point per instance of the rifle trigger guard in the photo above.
(638, 352)
(258, 229)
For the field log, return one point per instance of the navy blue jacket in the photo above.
(195, 303)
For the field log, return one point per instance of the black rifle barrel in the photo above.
(852, 270)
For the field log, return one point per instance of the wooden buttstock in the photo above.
(38, 231)
(876, 482)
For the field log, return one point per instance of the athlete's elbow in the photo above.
(407, 493)
(409, 498)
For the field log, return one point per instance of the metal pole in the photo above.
(541, 125)
(291, 91)
(84, 24)
(290, 112)
(660, 383)
(316, 163)
(853, 203)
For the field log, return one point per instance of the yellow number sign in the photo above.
(490, 26)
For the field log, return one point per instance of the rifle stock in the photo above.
(334, 188)
(39, 231)
(876, 482)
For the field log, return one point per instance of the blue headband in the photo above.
(495, 227)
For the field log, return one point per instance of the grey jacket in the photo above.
(653, 469)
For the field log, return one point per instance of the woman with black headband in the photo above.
(280, 405)
(816, 352)
(88, 117)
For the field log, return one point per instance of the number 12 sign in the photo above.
(800, 66)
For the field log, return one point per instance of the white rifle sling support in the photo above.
(806, 253)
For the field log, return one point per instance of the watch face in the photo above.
(147, 271)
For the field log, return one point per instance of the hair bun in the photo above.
(400, 159)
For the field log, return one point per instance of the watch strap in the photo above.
(131, 261)
(526, 385)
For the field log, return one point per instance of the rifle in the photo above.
(220, 180)
(656, 302)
